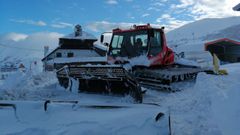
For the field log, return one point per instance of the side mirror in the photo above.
(101, 38)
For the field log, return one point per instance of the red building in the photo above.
(226, 49)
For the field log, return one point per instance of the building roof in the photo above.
(83, 36)
(50, 53)
(21, 66)
(237, 7)
(222, 41)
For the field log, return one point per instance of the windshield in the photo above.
(129, 44)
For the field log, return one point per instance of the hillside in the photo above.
(18, 48)
(193, 35)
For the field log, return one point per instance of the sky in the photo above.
(21, 18)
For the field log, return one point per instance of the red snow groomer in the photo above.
(137, 57)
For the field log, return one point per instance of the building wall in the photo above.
(233, 49)
(64, 53)
(226, 53)
(77, 53)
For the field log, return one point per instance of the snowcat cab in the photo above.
(141, 40)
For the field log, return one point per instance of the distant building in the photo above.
(226, 49)
(237, 7)
(8, 67)
(71, 48)
(22, 68)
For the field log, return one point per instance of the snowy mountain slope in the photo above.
(232, 32)
(18, 48)
(191, 37)
(202, 27)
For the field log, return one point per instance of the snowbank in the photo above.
(66, 119)
(28, 86)
(211, 106)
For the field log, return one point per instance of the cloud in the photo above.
(145, 15)
(171, 22)
(13, 37)
(200, 9)
(31, 41)
(62, 25)
(159, 4)
(112, 2)
(185, 11)
(31, 22)
(103, 26)
(166, 16)
(156, 5)
(154, 9)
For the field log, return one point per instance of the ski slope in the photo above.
(202, 28)
(209, 106)
(193, 36)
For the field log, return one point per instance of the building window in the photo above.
(58, 54)
(70, 54)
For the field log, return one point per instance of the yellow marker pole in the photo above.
(216, 66)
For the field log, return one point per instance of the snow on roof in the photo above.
(237, 7)
(83, 36)
(222, 40)
(100, 46)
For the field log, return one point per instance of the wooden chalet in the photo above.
(71, 48)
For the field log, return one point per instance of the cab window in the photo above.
(155, 43)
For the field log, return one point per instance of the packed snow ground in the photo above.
(208, 106)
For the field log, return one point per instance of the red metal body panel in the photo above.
(163, 58)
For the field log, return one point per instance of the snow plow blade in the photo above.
(159, 117)
(13, 106)
(106, 79)
(75, 104)
(64, 101)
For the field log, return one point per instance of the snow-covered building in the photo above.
(8, 67)
(237, 7)
(72, 48)
(226, 49)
